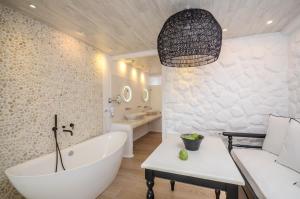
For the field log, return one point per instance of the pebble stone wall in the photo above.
(43, 72)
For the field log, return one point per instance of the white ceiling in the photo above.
(124, 26)
(149, 64)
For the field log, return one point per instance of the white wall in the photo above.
(156, 104)
(122, 75)
(155, 97)
(294, 73)
(248, 82)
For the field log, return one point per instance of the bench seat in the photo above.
(267, 178)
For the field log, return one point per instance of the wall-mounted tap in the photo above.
(116, 100)
(65, 130)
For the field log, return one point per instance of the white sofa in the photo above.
(267, 178)
(266, 169)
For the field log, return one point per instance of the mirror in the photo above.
(145, 95)
(126, 93)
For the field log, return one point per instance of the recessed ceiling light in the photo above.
(32, 6)
(225, 29)
(269, 22)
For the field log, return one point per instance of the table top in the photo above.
(211, 162)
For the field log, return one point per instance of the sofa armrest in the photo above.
(237, 134)
(249, 135)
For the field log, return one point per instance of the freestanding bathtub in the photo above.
(91, 166)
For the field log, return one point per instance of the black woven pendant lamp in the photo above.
(189, 38)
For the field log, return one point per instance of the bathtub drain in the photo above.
(71, 153)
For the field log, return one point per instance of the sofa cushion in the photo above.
(267, 178)
(298, 184)
(277, 131)
(289, 155)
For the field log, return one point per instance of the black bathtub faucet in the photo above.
(55, 128)
(58, 153)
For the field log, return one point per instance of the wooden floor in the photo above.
(130, 182)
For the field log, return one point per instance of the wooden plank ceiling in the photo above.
(149, 64)
(124, 26)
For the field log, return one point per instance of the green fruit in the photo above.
(195, 136)
(188, 137)
(183, 154)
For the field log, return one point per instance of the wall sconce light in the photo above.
(145, 95)
(126, 93)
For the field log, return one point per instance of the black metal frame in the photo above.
(247, 135)
(248, 190)
(231, 189)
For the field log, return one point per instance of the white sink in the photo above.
(135, 116)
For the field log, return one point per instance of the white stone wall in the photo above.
(294, 74)
(236, 93)
(43, 72)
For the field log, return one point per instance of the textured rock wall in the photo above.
(236, 93)
(43, 72)
(294, 74)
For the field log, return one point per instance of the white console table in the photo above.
(211, 166)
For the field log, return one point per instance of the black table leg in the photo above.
(172, 182)
(232, 191)
(217, 192)
(150, 183)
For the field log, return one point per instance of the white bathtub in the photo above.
(91, 166)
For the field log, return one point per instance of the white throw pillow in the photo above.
(277, 131)
(290, 154)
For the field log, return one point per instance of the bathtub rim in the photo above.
(8, 174)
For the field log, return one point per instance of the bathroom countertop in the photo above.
(139, 122)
